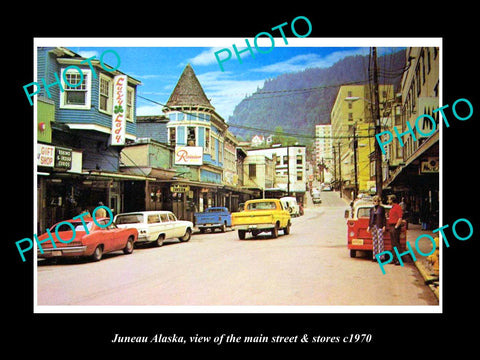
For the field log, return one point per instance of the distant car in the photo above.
(213, 218)
(290, 203)
(327, 188)
(94, 241)
(316, 197)
(155, 226)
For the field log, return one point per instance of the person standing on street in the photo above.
(376, 226)
(395, 223)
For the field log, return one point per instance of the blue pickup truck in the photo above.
(213, 218)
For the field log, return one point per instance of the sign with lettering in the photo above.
(45, 155)
(63, 158)
(188, 155)
(179, 188)
(119, 109)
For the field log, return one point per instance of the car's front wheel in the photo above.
(241, 234)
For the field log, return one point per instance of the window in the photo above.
(105, 101)
(172, 136)
(299, 176)
(285, 160)
(207, 140)
(191, 136)
(129, 114)
(252, 170)
(299, 159)
(76, 94)
(213, 153)
(164, 217)
(152, 219)
(171, 217)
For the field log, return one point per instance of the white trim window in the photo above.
(76, 95)
(105, 99)
(130, 102)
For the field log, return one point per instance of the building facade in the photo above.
(416, 179)
(290, 169)
(77, 133)
(324, 152)
(353, 130)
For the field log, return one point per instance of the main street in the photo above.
(311, 266)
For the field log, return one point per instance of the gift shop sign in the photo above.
(119, 109)
(45, 155)
(188, 155)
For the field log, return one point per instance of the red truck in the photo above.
(357, 224)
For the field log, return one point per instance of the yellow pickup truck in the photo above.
(262, 215)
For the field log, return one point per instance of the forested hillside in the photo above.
(298, 101)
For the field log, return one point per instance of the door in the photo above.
(105, 236)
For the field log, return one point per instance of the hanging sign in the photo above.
(119, 109)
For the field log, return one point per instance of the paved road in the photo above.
(311, 266)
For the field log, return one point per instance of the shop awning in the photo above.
(122, 176)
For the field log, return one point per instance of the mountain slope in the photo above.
(298, 101)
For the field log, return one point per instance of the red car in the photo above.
(93, 241)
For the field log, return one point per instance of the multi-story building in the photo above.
(324, 152)
(417, 178)
(290, 168)
(353, 131)
(78, 147)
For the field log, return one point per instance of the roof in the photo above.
(188, 91)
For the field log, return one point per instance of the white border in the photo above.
(227, 42)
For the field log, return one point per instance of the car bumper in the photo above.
(206, 226)
(63, 251)
(251, 227)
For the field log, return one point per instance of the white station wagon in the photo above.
(155, 226)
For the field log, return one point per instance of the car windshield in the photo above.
(129, 219)
(262, 206)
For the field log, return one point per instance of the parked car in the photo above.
(155, 226)
(357, 223)
(213, 218)
(290, 203)
(94, 241)
(262, 215)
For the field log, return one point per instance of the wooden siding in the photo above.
(47, 67)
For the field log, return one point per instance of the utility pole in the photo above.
(288, 170)
(340, 169)
(355, 145)
(378, 152)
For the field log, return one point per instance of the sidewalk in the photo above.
(425, 246)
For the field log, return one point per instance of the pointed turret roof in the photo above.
(188, 91)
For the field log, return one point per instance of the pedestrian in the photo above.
(395, 224)
(425, 215)
(101, 213)
(376, 226)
